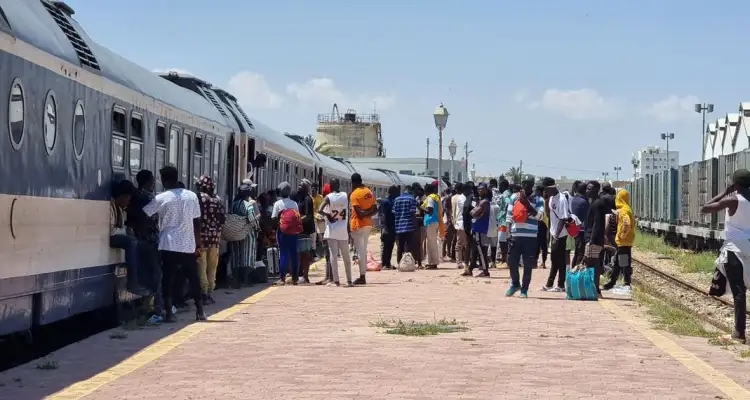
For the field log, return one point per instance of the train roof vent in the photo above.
(83, 51)
(242, 112)
(215, 102)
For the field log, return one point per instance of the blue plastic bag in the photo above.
(580, 284)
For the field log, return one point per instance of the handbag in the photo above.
(580, 284)
(236, 227)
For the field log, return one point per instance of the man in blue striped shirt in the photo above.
(405, 221)
(523, 237)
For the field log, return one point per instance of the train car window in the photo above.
(197, 157)
(136, 143)
(136, 157)
(50, 122)
(275, 165)
(136, 126)
(79, 130)
(174, 136)
(119, 134)
(185, 160)
(161, 152)
(217, 161)
(207, 156)
(16, 114)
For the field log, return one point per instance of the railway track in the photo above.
(716, 311)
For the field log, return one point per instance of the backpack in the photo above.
(520, 213)
(290, 222)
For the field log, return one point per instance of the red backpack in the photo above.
(520, 213)
(290, 222)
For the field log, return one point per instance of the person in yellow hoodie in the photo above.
(624, 239)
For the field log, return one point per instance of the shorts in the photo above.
(304, 243)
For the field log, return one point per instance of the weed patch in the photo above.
(413, 328)
(671, 319)
(687, 260)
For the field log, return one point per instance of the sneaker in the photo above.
(547, 289)
(511, 291)
(360, 281)
(556, 289)
(349, 284)
(332, 284)
(155, 320)
(524, 294)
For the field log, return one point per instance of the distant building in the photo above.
(728, 134)
(414, 166)
(652, 159)
(350, 135)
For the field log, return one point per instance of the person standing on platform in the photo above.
(287, 242)
(559, 215)
(432, 224)
(405, 219)
(734, 256)
(212, 220)
(179, 239)
(320, 224)
(480, 224)
(305, 240)
(457, 204)
(329, 272)
(504, 228)
(624, 239)
(363, 206)
(594, 231)
(449, 244)
(525, 213)
(335, 208)
(388, 227)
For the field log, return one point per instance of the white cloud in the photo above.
(168, 70)
(577, 104)
(323, 92)
(253, 91)
(672, 108)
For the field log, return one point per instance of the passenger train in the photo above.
(79, 116)
(668, 202)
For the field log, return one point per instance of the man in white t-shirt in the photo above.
(287, 242)
(334, 208)
(559, 214)
(179, 238)
(462, 238)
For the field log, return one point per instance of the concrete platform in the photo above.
(312, 342)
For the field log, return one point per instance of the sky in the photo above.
(571, 88)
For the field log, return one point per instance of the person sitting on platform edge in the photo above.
(122, 238)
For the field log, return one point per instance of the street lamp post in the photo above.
(652, 151)
(617, 173)
(703, 109)
(635, 164)
(452, 148)
(441, 119)
(466, 157)
(427, 157)
(667, 137)
(605, 174)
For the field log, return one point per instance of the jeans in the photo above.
(736, 280)
(130, 245)
(521, 249)
(360, 238)
(288, 255)
(387, 240)
(558, 259)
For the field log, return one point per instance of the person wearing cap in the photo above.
(522, 244)
(287, 243)
(363, 207)
(559, 210)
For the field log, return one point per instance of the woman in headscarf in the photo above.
(243, 252)
(212, 220)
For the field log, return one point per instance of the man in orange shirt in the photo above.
(363, 206)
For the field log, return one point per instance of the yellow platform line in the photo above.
(686, 358)
(151, 353)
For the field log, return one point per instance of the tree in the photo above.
(310, 141)
(514, 175)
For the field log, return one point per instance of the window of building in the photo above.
(16, 114)
(79, 130)
(50, 122)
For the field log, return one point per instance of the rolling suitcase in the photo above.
(272, 256)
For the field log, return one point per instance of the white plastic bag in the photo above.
(407, 263)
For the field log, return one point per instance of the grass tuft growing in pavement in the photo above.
(672, 319)
(413, 328)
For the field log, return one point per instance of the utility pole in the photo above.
(427, 158)
(617, 173)
(703, 109)
(520, 170)
(466, 158)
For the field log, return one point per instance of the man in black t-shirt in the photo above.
(594, 229)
